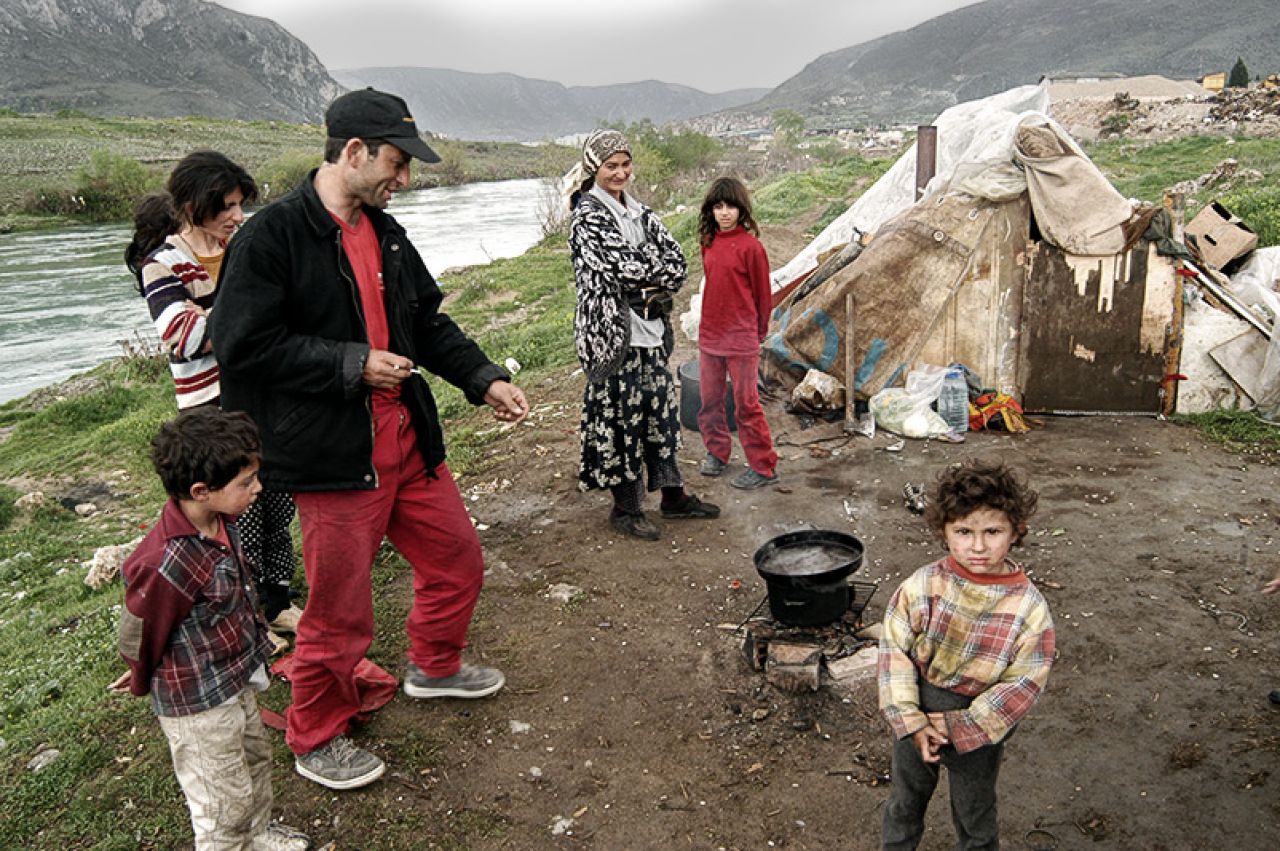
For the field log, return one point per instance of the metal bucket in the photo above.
(691, 398)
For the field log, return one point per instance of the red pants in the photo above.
(753, 430)
(425, 519)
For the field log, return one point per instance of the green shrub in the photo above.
(7, 510)
(1258, 207)
(1115, 124)
(110, 185)
(50, 202)
(281, 174)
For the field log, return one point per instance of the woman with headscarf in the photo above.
(627, 268)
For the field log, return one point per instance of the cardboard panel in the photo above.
(1220, 235)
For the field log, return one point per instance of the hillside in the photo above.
(988, 47)
(138, 57)
(507, 107)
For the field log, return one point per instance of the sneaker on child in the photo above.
(750, 480)
(281, 837)
(712, 466)
(287, 620)
(471, 681)
(339, 764)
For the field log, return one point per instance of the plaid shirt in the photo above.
(986, 637)
(190, 630)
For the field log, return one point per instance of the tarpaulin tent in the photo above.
(1047, 293)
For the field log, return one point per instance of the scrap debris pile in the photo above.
(1244, 104)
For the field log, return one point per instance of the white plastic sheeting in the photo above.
(1255, 283)
(976, 132)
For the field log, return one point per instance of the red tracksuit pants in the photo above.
(425, 519)
(753, 429)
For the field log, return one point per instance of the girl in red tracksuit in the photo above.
(736, 303)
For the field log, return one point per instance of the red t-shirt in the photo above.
(737, 300)
(360, 243)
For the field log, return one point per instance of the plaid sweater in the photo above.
(189, 631)
(987, 637)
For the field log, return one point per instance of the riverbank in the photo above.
(42, 156)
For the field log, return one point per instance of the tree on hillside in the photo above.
(1239, 76)
(788, 127)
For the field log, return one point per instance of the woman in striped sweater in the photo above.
(176, 254)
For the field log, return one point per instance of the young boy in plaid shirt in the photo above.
(966, 650)
(192, 637)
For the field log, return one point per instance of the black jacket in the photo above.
(290, 339)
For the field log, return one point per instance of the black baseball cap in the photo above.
(371, 114)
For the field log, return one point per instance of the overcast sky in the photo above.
(713, 45)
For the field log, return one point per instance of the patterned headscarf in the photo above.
(599, 146)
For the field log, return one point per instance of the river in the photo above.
(67, 301)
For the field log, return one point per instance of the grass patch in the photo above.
(1237, 431)
(1146, 170)
(830, 188)
(41, 157)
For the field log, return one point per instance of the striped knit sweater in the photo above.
(987, 637)
(179, 294)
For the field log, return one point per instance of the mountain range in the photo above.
(989, 47)
(184, 57)
(507, 107)
(156, 57)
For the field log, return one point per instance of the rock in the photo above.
(562, 826)
(859, 666)
(106, 562)
(86, 509)
(520, 727)
(793, 668)
(564, 593)
(500, 575)
(35, 499)
(872, 632)
(43, 760)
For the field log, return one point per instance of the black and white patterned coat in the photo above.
(606, 268)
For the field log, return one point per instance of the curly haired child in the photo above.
(966, 650)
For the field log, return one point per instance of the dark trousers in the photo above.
(972, 776)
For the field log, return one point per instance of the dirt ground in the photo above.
(630, 719)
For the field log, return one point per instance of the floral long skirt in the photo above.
(630, 425)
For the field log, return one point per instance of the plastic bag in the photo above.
(1254, 284)
(819, 391)
(908, 410)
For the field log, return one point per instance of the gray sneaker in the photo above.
(339, 764)
(750, 480)
(712, 466)
(281, 837)
(470, 681)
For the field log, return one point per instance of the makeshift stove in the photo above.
(814, 611)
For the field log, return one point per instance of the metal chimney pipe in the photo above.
(926, 156)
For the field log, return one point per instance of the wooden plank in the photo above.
(1175, 203)
(1096, 331)
(850, 368)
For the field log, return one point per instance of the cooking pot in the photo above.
(806, 575)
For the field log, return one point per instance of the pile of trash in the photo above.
(1244, 104)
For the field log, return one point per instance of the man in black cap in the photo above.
(325, 313)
